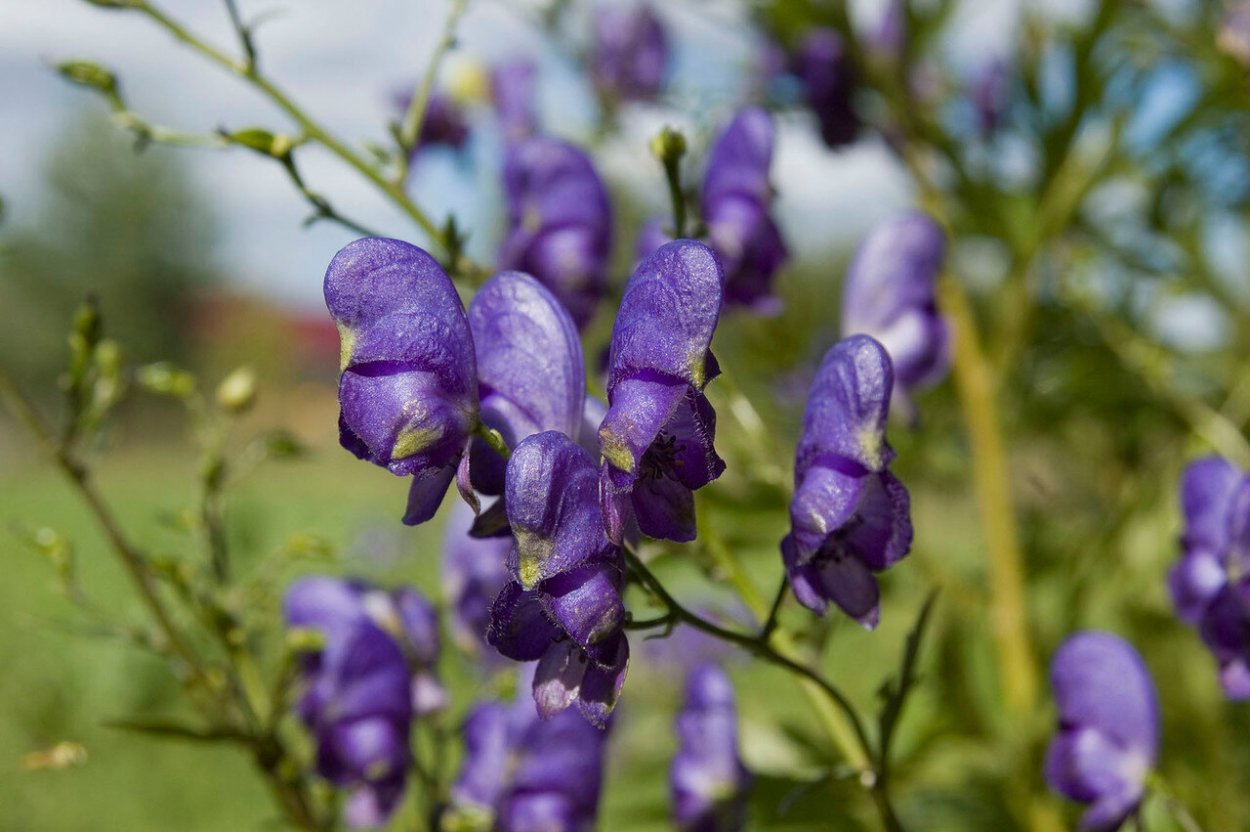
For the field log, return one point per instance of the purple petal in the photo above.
(848, 407)
(529, 355)
(664, 327)
(372, 804)
(1194, 581)
(601, 686)
(425, 494)
(519, 628)
(664, 509)
(558, 678)
(739, 160)
(1207, 488)
(850, 584)
(473, 574)
(1100, 683)
(512, 90)
(829, 82)
(631, 53)
(323, 603)
(640, 409)
(552, 500)
(586, 601)
(484, 773)
(890, 294)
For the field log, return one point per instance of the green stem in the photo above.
(414, 117)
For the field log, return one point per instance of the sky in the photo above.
(345, 62)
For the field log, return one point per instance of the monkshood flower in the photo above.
(850, 517)
(529, 366)
(736, 199)
(1210, 584)
(1108, 728)
(657, 437)
(890, 294)
(631, 54)
(707, 779)
(829, 83)
(512, 91)
(408, 390)
(444, 124)
(474, 572)
(525, 774)
(371, 676)
(563, 606)
(559, 222)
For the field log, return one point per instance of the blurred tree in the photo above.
(129, 227)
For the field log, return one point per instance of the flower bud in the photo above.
(237, 392)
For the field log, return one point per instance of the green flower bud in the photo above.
(237, 392)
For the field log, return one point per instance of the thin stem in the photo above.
(322, 209)
(759, 647)
(244, 33)
(131, 557)
(414, 117)
(672, 175)
(495, 439)
(311, 128)
(770, 622)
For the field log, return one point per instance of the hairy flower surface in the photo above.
(408, 390)
(890, 294)
(707, 779)
(563, 606)
(657, 437)
(525, 774)
(1108, 728)
(1210, 584)
(559, 222)
(373, 673)
(631, 54)
(529, 367)
(736, 202)
(850, 517)
(829, 84)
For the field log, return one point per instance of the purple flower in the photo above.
(850, 517)
(829, 83)
(512, 90)
(631, 54)
(657, 438)
(474, 572)
(707, 778)
(525, 774)
(408, 391)
(559, 222)
(736, 198)
(444, 122)
(890, 294)
(529, 366)
(1210, 584)
(989, 95)
(373, 674)
(1108, 728)
(563, 606)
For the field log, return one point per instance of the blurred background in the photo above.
(1098, 228)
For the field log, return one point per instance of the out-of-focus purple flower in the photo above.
(408, 391)
(657, 438)
(559, 222)
(631, 54)
(563, 606)
(885, 39)
(525, 774)
(829, 82)
(372, 675)
(850, 517)
(1108, 728)
(890, 294)
(529, 365)
(989, 95)
(444, 123)
(512, 90)
(1210, 584)
(474, 572)
(1234, 34)
(707, 779)
(736, 199)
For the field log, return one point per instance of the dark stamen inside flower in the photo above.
(661, 457)
(837, 545)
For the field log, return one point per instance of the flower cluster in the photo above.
(1210, 583)
(372, 674)
(526, 774)
(1108, 728)
(850, 517)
